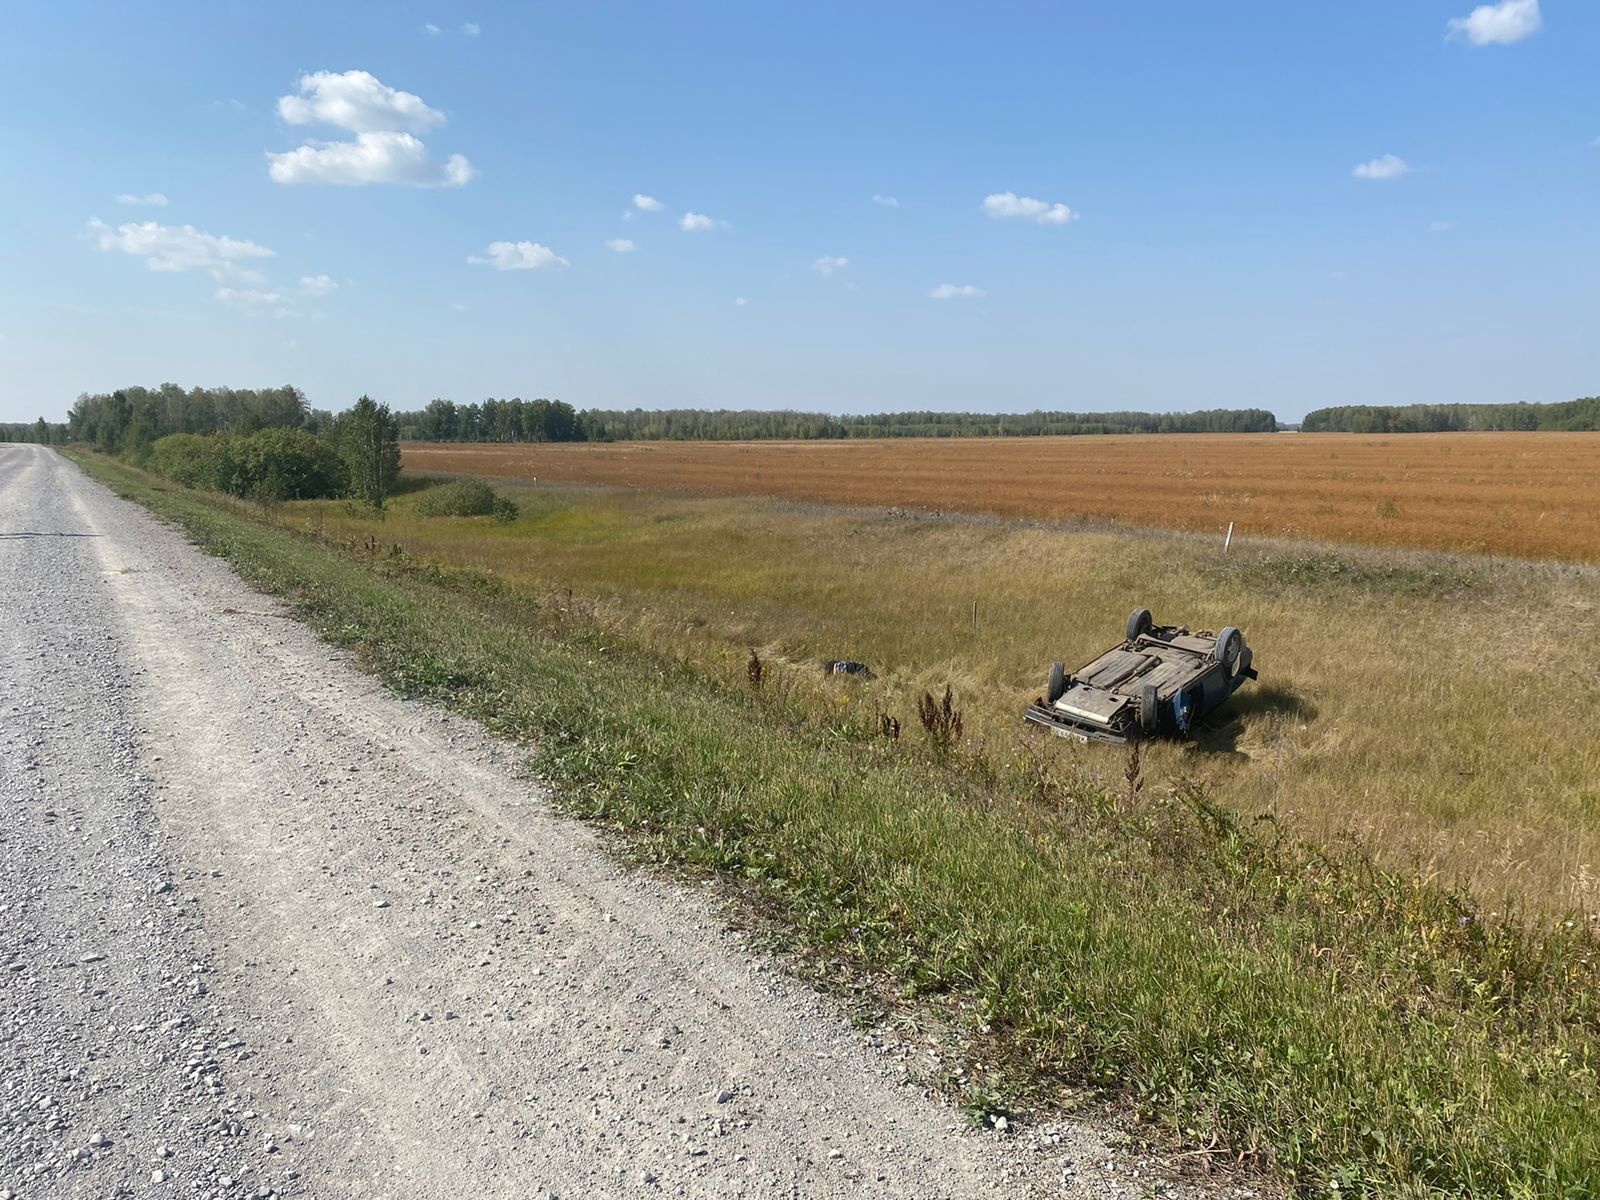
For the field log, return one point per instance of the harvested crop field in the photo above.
(1531, 495)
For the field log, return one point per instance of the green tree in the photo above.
(368, 440)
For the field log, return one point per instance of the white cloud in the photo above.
(693, 222)
(431, 29)
(647, 203)
(357, 101)
(1499, 24)
(247, 297)
(457, 306)
(317, 285)
(740, 301)
(519, 256)
(1439, 227)
(183, 248)
(886, 201)
(1041, 212)
(383, 120)
(471, 29)
(1390, 166)
(951, 291)
(149, 200)
(828, 264)
(384, 157)
(620, 245)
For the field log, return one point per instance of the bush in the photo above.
(286, 464)
(188, 460)
(465, 498)
(271, 465)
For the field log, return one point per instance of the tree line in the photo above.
(517, 420)
(1569, 416)
(263, 444)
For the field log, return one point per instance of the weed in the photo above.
(941, 719)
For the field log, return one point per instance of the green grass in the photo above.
(1356, 1028)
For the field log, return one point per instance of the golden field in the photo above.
(1441, 709)
(1529, 495)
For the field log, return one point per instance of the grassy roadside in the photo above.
(1441, 708)
(1366, 1032)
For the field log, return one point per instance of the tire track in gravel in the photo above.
(447, 989)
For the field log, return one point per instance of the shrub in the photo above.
(270, 465)
(285, 464)
(465, 498)
(187, 459)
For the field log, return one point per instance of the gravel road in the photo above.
(267, 930)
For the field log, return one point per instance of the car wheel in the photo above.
(1149, 709)
(1229, 643)
(1057, 684)
(1138, 621)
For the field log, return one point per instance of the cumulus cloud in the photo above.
(647, 203)
(740, 301)
(384, 121)
(886, 201)
(471, 29)
(1041, 212)
(148, 200)
(519, 256)
(952, 291)
(828, 264)
(1499, 24)
(1390, 166)
(431, 29)
(693, 222)
(317, 285)
(385, 157)
(620, 245)
(357, 101)
(183, 248)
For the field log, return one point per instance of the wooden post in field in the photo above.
(1228, 541)
(974, 616)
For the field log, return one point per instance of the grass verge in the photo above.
(1363, 1031)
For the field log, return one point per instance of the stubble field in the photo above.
(1527, 495)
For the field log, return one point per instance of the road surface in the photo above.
(266, 929)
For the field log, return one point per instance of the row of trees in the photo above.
(265, 444)
(515, 420)
(45, 433)
(1570, 415)
(355, 454)
(128, 421)
(555, 421)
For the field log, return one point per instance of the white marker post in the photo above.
(1228, 541)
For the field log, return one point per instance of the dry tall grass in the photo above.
(1533, 495)
(1442, 709)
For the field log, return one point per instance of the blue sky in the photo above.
(1096, 206)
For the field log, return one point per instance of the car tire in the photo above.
(1230, 642)
(1057, 684)
(1138, 621)
(1149, 709)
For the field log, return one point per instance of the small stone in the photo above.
(647, 1176)
(835, 1153)
(158, 1176)
(724, 1096)
(99, 1141)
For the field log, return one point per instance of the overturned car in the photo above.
(1161, 680)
